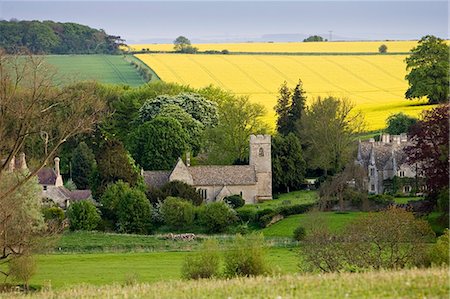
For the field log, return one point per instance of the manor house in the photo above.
(253, 182)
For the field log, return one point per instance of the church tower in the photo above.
(261, 159)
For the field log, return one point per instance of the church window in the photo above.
(240, 193)
(401, 173)
(261, 152)
(203, 193)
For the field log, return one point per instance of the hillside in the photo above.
(375, 83)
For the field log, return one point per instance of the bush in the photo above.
(22, 269)
(235, 201)
(381, 199)
(177, 212)
(53, 214)
(247, 214)
(155, 195)
(246, 256)
(299, 233)
(217, 216)
(202, 264)
(439, 254)
(83, 215)
(182, 190)
(294, 209)
(134, 213)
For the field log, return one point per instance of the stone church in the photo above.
(253, 182)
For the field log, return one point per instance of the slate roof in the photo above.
(223, 175)
(46, 176)
(77, 195)
(383, 154)
(156, 178)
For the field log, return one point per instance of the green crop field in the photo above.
(111, 69)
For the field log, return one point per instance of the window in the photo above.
(372, 172)
(401, 173)
(240, 193)
(372, 187)
(203, 193)
(407, 189)
(261, 152)
(45, 188)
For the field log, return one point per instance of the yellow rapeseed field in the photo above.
(375, 83)
(342, 47)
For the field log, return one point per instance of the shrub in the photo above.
(182, 190)
(83, 215)
(177, 212)
(53, 214)
(439, 253)
(235, 201)
(22, 269)
(202, 264)
(381, 199)
(155, 195)
(246, 214)
(294, 209)
(246, 256)
(217, 216)
(299, 233)
(111, 197)
(134, 213)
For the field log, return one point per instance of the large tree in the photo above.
(400, 123)
(83, 165)
(430, 149)
(290, 108)
(428, 68)
(329, 128)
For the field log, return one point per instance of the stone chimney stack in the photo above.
(59, 181)
(22, 162)
(188, 159)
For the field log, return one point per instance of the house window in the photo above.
(407, 189)
(261, 152)
(203, 193)
(45, 188)
(240, 193)
(372, 187)
(401, 173)
(372, 172)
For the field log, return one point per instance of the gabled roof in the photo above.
(46, 176)
(223, 175)
(383, 154)
(156, 178)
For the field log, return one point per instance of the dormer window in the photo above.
(261, 152)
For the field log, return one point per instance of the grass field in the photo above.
(413, 283)
(375, 84)
(112, 69)
(338, 47)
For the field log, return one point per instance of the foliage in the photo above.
(399, 123)
(177, 212)
(55, 37)
(83, 165)
(314, 38)
(217, 216)
(235, 201)
(53, 213)
(439, 253)
(288, 165)
(182, 190)
(246, 256)
(22, 269)
(382, 49)
(203, 264)
(428, 67)
(83, 215)
(183, 45)
(134, 212)
(329, 128)
(390, 239)
(157, 144)
(430, 148)
(290, 108)
(155, 195)
(299, 233)
(238, 119)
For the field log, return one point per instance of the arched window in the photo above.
(261, 152)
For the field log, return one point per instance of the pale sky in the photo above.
(219, 21)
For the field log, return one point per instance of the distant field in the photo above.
(337, 47)
(375, 84)
(111, 69)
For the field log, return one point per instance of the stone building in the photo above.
(386, 164)
(253, 182)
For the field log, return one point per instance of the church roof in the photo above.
(46, 176)
(223, 175)
(156, 178)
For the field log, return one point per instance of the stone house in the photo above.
(253, 182)
(386, 164)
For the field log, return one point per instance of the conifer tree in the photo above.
(297, 107)
(282, 109)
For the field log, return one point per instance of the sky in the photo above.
(230, 21)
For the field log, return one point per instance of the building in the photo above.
(386, 164)
(253, 182)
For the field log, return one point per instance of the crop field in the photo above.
(412, 283)
(112, 69)
(374, 83)
(293, 47)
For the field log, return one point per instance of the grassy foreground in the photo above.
(415, 283)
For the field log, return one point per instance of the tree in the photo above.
(183, 45)
(329, 128)
(297, 108)
(400, 123)
(157, 144)
(282, 109)
(182, 190)
(288, 165)
(134, 212)
(290, 108)
(428, 67)
(177, 212)
(83, 165)
(314, 38)
(217, 216)
(382, 49)
(430, 148)
(83, 215)
(228, 142)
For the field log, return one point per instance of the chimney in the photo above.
(22, 162)
(188, 159)
(12, 164)
(59, 181)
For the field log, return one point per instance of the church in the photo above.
(215, 182)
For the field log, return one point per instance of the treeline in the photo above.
(50, 37)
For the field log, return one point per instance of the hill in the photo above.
(375, 83)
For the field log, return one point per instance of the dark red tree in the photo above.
(430, 147)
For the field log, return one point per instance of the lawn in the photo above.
(404, 200)
(294, 197)
(286, 227)
(112, 69)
